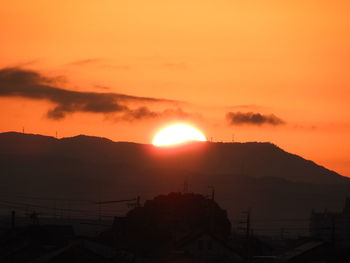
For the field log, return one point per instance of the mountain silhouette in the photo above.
(252, 158)
(274, 183)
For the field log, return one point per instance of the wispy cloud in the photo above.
(99, 63)
(175, 66)
(85, 61)
(246, 107)
(115, 67)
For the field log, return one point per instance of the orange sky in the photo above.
(287, 58)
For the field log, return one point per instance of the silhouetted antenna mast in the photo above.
(212, 192)
(23, 129)
(247, 227)
(56, 135)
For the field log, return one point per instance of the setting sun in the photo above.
(176, 134)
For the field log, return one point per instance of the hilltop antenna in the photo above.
(56, 134)
(23, 129)
(212, 192)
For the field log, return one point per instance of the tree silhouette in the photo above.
(162, 221)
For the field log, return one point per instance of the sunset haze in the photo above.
(266, 71)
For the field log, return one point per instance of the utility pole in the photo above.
(248, 232)
(248, 225)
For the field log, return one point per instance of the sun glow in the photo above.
(176, 134)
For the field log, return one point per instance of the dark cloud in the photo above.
(139, 113)
(146, 113)
(240, 118)
(33, 85)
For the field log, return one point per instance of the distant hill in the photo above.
(258, 175)
(251, 159)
